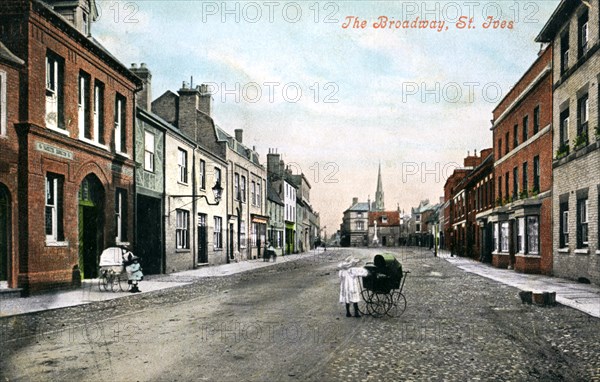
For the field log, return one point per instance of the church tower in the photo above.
(379, 206)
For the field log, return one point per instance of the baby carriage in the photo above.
(112, 270)
(382, 288)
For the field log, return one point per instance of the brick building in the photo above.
(75, 142)
(10, 65)
(388, 228)
(522, 136)
(573, 32)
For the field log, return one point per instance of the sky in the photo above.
(339, 88)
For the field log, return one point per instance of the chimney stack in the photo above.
(205, 99)
(354, 201)
(143, 98)
(239, 135)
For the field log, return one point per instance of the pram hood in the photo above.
(111, 256)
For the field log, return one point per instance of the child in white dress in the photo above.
(349, 284)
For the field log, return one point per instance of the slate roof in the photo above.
(359, 207)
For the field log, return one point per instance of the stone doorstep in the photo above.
(10, 293)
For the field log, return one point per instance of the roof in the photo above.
(359, 207)
(274, 197)
(559, 17)
(7, 56)
(236, 146)
(393, 218)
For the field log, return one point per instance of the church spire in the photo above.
(379, 206)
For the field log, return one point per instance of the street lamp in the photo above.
(217, 192)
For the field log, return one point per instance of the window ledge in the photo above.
(125, 243)
(59, 130)
(598, 252)
(183, 184)
(529, 255)
(94, 143)
(563, 250)
(122, 154)
(182, 250)
(57, 243)
(582, 251)
(218, 249)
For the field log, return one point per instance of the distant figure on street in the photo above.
(270, 253)
(349, 287)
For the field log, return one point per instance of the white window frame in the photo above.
(182, 165)
(119, 216)
(182, 220)
(51, 207)
(202, 174)
(218, 233)
(118, 123)
(243, 188)
(217, 175)
(504, 237)
(98, 111)
(521, 235)
(3, 116)
(253, 193)
(82, 105)
(584, 221)
(565, 231)
(496, 243)
(258, 194)
(149, 150)
(236, 186)
(52, 92)
(533, 235)
(242, 233)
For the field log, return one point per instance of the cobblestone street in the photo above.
(284, 323)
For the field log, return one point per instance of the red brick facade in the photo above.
(62, 230)
(522, 217)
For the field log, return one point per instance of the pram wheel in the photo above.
(103, 281)
(362, 304)
(377, 304)
(124, 284)
(398, 304)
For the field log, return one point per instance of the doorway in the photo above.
(91, 225)
(149, 245)
(202, 239)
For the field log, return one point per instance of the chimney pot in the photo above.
(133, 65)
(143, 65)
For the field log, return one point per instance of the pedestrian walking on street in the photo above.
(349, 275)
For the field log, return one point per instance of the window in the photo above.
(99, 112)
(54, 210)
(181, 230)
(243, 234)
(360, 225)
(525, 176)
(525, 128)
(121, 215)
(583, 34)
(521, 235)
(54, 91)
(120, 124)
(417, 227)
(202, 171)
(564, 52)
(243, 188)
(148, 151)
(564, 127)
(582, 115)
(258, 194)
(536, 120)
(3, 119)
(182, 163)
(83, 106)
(504, 237)
(218, 233)
(217, 175)
(500, 187)
(507, 145)
(496, 243)
(515, 193)
(536, 173)
(564, 225)
(515, 136)
(533, 235)
(253, 193)
(582, 223)
(236, 186)
(500, 148)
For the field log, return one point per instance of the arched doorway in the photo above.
(91, 225)
(5, 228)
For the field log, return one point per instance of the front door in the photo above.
(202, 239)
(4, 233)
(91, 225)
(149, 245)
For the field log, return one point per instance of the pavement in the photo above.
(90, 292)
(583, 297)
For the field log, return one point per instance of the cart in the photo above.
(381, 289)
(112, 274)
